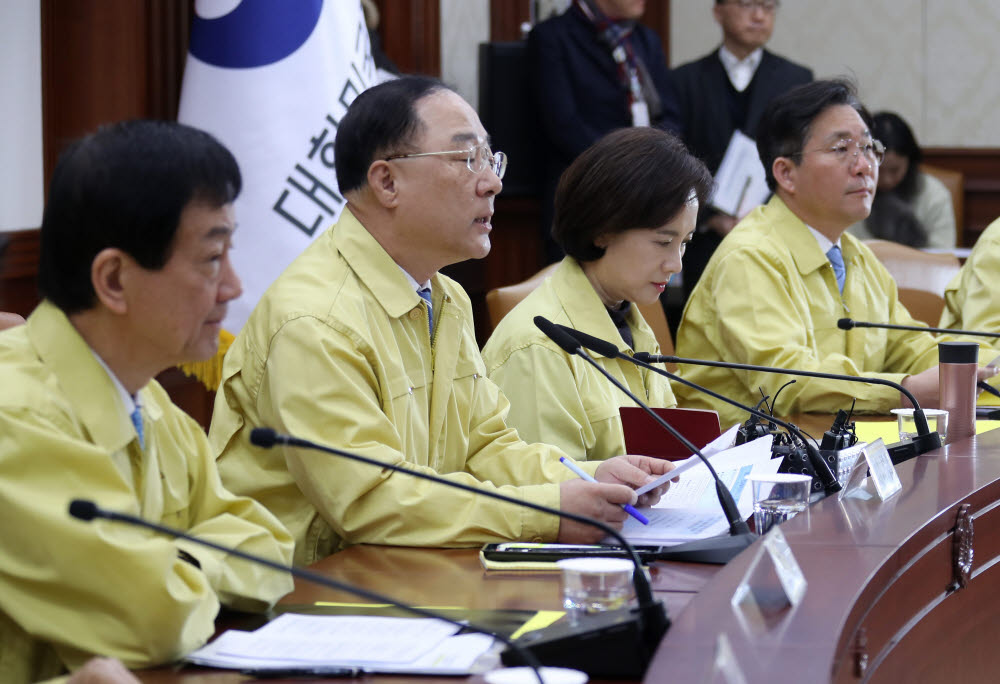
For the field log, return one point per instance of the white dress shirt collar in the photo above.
(740, 71)
(824, 242)
(128, 401)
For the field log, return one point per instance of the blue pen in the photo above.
(583, 475)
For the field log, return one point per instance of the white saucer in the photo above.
(525, 675)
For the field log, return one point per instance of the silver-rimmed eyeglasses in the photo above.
(477, 158)
(766, 5)
(847, 150)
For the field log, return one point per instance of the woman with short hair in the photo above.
(624, 210)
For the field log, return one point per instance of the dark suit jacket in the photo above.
(578, 95)
(702, 92)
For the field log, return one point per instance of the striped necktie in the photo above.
(136, 417)
(425, 294)
(836, 258)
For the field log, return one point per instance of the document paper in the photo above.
(690, 509)
(370, 643)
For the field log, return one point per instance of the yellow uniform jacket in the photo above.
(71, 589)
(337, 351)
(769, 297)
(558, 398)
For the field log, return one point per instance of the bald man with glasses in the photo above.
(362, 345)
(774, 290)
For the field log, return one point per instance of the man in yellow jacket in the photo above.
(774, 290)
(972, 298)
(343, 349)
(135, 277)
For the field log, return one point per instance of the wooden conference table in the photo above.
(885, 601)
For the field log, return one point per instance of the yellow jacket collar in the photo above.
(373, 266)
(801, 243)
(583, 306)
(89, 389)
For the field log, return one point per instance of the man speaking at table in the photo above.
(362, 345)
(773, 291)
(135, 274)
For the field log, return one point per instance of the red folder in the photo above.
(645, 436)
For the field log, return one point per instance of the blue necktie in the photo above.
(136, 417)
(425, 294)
(839, 270)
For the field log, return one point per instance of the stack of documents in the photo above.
(367, 643)
(690, 509)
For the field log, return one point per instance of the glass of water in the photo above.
(778, 497)
(594, 585)
(937, 421)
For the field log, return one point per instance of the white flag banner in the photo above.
(271, 79)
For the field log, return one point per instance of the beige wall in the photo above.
(933, 61)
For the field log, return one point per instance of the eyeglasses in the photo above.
(477, 158)
(766, 5)
(847, 150)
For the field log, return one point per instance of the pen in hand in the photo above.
(985, 386)
(584, 476)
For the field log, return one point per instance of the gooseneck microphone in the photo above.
(86, 510)
(715, 550)
(611, 645)
(924, 441)
(605, 348)
(848, 323)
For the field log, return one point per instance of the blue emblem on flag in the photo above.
(256, 33)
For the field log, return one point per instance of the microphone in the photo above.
(715, 550)
(825, 476)
(86, 510)
(610, 645)
(924, 441)
(848, 323)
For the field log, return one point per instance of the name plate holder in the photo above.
(774, 580)
(876, 460)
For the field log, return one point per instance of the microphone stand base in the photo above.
(921, 444)
(715, 550)
(609, 645)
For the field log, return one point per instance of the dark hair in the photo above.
(125, 186)
(787, 120)
(631, 178)
(897, 137)
(892, 216)
(380, 122)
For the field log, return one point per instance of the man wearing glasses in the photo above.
(361, 344)
(774, 290)
(726, 91)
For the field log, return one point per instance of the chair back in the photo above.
(921, 277)
(955, 182)
(500, 300)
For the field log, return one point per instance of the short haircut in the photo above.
(897, 137)
(125, 187)
(380, 122)
(631, 178)
(787, 121)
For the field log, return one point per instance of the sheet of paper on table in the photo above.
(369, 643)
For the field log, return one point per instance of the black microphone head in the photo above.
(845, 324)
(557, 335)
(643, 357)
(84, 510)
(594, 344)
(263, 437)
